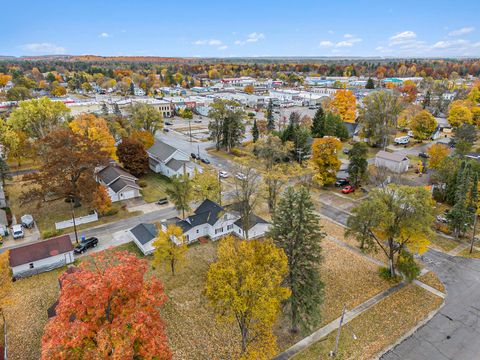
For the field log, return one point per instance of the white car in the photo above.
(17, 231)
(240, 176)
(402, 140)
(223, 174)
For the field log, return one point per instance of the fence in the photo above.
(78, 220)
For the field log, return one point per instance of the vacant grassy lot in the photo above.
(377, 327)
(156, 185)
(55, 210)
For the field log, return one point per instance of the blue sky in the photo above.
(241, 28)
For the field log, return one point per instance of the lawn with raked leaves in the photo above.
(377, 327)
(466, 253)
(155, 186)
(442, 243)
(431, 279)
(54, 211)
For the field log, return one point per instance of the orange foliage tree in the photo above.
(344, 104)
(101, 201)
(107, 309)
(145, 137)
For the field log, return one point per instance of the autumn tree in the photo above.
(244, 285)
(206, 185)
(146, 117)
(68, 163)
(249, 89)
(271, 150)
(275, 179)
(4, 79)
(180, 192)
(6, 285)
(96, 129)
(101, 200)
(344, 104)
(358, 164)
(459, 115)
(226, 125)
(437, 153)
(38, 117)
(398, 217)
(144, 137)
(133, 156)
(407, 114)
(423, 125)
(170, 247)
(107, 309)
(297, 231)
(325, 159)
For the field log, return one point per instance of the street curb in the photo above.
(409, 333)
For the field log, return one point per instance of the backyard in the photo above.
(153, 186)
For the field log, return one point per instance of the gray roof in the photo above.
(161, 150)
(121, 183)
(175, 164)
(253, 220)
(207, 213)
(111, 172)
(144, 232)
(391, 156)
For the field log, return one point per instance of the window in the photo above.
(187, 237)
(31, 265)
(197, 231)
(230, 227)
(219, 230)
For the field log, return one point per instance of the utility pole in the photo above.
(220, 186)
(333, 353)
(473, 236)
(72, 200)
(190, 128)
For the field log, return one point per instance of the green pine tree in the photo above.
(270, 119)
(255, 132)
(297, 231)
(370, 84)
(358, 165)
(318, 124)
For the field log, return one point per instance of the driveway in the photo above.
(454, 332)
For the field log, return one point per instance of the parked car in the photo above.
(442, 219)
(423, 155)
(162, 201)
(223, 174)
(165, 130)
(168, 123)
(205, 160)
(193, 155)
(410, 133)
(17, 231)
(240, 176)
(348, 189)
(346, 151)
(27, 221)
(85, 245)
(341, 182)
(403, 140)
(197, 121)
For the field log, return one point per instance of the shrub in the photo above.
(142, 183)
(407, 266)
(251, 114)
(237, 152)
(47, 234)
(384, 273)
(110, 212)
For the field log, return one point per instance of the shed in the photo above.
(395, 162)
(143, 236)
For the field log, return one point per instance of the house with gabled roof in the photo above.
(215, 221)
(120, 184)
(168, 160)
(395, 162)
(143, 236)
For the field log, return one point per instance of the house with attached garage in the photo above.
(170, 161)
(215, 221)
(143, 236)
(41, 256)
(394, 162)
(120, 184)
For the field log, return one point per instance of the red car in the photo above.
(348, 189)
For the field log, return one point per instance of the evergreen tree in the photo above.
(358, 166)
(318, 123)
(116, 110)
(297, 231)
(4, 171)
(370, 84)
(132, 88)
(460, 217)
(104, 109)
(426, 101)
(255, 132)
(270, 119)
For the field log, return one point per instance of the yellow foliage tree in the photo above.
(423, 125)
(249, 89)
(96, 129)
(406, 116)
(245, 285)
(145, 137)
(170, 247)
(345, 105)
(325, 159)
(206, 185)
(459, 115)
(58, 91)
(437, 152)
(101, 201)
(4, 79)
(474, 95)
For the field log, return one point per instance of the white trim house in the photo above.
(120, 184)
(394, 162)
(143, 236)
(170, 161)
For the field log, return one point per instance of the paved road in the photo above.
(334, 213)
(454, 332)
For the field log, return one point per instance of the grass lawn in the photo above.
(466, 253)
(55, 210)
(24, 164)
(442, 243)
(432, 280)
(156, 185)
(377, 327)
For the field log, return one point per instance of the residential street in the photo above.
(454, 332)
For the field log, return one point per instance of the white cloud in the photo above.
(104, 35)
(255, 37)
(223, 47)
(348, 36)
(211, 42)
(462, 31)
(447, 44)
(343, 44)
(403, 37)
(239, 42)
(350, 42)
(326, 43)
(330, 31)
(43, 48)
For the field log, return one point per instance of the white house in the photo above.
(41, 256)
(395, 162)
(120, 184)
(214, 221)
(170, 161)
(143, 236)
